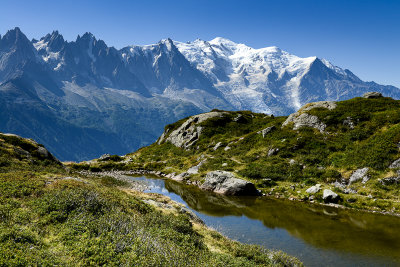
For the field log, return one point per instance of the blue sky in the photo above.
(363, 36)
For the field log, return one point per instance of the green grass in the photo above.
(318, 157)
(48, 219)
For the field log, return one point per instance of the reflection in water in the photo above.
(317, 234)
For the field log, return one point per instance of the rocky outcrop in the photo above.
(31, 148)
(321, 104)
(395, 164)
(189, 132)
(360, 174)
(302, 119)
(314, 189)
(265, 131)
(330, 197)
(372, 95)
(226, 183)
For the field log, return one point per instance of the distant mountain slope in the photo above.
(88, 98)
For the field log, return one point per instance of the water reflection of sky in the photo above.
(254, 231)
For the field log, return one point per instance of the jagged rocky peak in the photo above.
(53, 43)
(14, 39)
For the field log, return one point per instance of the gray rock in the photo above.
(349, 191)
(218, 145)
(162, 137)
(349, 122)
(303, 119)
(105, 157)
(195, 169)
(226, 183)
(360, 174)
(273, 151)
(292, 161)
(395, 164)
(330, 197)
(314, 189)
(372, 95)
(265, 131)
(43, 152)
(321, 104)
(239, 118)
(189, 132)
(180, 177)
(339, 185)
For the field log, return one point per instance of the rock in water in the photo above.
(330, 197)
(372, 95)
(226, 183)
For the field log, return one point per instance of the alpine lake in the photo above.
(317, 235)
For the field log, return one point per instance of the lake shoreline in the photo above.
(120, 175)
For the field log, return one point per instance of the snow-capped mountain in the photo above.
(270, 80)
(83, 98)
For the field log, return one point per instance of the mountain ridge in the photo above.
(127, 95)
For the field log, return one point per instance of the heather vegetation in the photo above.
(51, 215)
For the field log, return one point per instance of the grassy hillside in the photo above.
(285, 162)
(52, 216)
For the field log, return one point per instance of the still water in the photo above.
(317, 235)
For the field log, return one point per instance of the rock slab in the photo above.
(189, 132)
(303, 119)
(372, 95)
(226, 183)
(314, 189)
(360, 174)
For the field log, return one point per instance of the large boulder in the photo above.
(189, 132)
(226, 183)
(372, 95)
(330, 197)
(302, 119)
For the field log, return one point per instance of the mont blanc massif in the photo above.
(83, 98)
